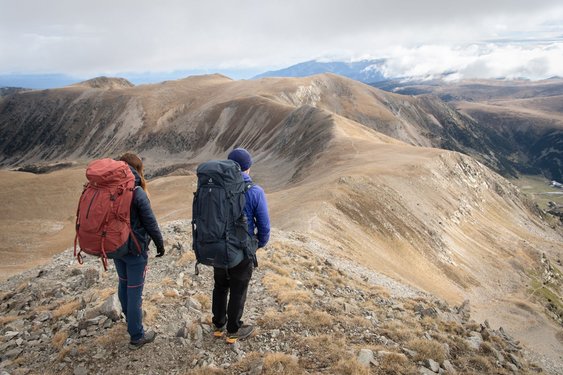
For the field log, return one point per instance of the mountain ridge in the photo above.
(180, 110)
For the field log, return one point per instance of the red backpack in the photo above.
(103, 222)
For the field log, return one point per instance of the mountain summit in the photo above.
(367, 71)
(105, 83)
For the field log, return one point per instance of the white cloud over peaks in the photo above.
(115, 36)
(492, 60)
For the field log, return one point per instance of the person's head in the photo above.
(242, 157)
(134, 161)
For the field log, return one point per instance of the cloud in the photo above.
(111, 37)
(537, 61)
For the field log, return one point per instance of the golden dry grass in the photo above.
(458, 346)
(43, 308)
(357, 321)
(499, 342)
(59, 339)
(167, 281)
(486, 348)
(349, 366)
(427, 349)
(317, 319)
(399, 331)
(112, 336)
(204, 300)
(281, 364)
(429, 323)
(272, 319)
(294, 296)
(66, 309)
(21, 361)
(395, 364)
(276, 282)
(477, 363)
(285, 289)
(171, 293)
(152, 311)
(337, 277)
(321, 351)
(8, 319)
(187, 256)
(63, 352)
(155, 297)
(266, 264)
(250, 361)
(104, 294)
(314, 320)
(451, 327)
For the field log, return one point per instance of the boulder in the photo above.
(365, 357)
(111, 308)
(432, 365)
(447, 365)
(475, 340)
(425, 371)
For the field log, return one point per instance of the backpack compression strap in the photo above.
(78, 256)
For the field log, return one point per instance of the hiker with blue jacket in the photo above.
(132, 267)
(231, 284)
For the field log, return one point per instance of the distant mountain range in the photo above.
(36, 81)
(367, 71)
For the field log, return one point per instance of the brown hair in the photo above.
(136, 162)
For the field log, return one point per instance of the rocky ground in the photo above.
(315, 314)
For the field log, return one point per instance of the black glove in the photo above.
(159, 251)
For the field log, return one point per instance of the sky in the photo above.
(161, 39)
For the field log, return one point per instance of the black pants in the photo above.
(236, 280)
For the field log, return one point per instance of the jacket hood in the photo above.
(246, 177)
(137, 177)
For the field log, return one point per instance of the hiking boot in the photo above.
(242, 333)
(218, 331)
(147, 338)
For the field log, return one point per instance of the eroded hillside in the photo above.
(523, 119)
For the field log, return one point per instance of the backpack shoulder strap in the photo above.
(248, 186)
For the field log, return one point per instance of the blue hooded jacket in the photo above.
(256, 211)
(143, 222)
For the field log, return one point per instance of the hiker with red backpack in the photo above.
(115, 220)
(131, 268)
(230, 222)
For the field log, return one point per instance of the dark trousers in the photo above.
(236, 281)
(131, 270)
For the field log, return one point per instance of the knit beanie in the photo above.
(242, 157)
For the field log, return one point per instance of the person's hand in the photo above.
(159, 251)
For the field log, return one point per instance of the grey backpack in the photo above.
(219, 225)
